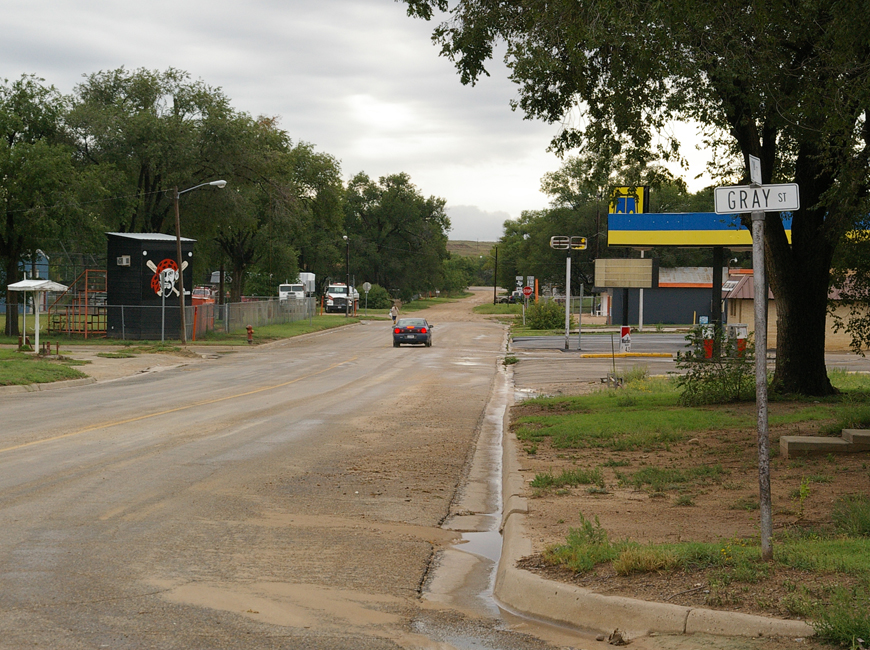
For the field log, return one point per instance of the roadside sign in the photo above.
(367, 286)
(527, 291)
(562, 242)
(764, 198)
(755, 169)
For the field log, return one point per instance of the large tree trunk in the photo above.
(799, 277)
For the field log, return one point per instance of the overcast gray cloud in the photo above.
(356, 78)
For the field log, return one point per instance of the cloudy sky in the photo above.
(356, 78)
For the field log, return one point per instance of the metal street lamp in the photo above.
(220, 184)
(347, 271)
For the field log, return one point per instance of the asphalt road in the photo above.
(288, 496)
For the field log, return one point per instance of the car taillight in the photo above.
(397, 331)
(422, 330)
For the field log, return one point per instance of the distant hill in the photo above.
(469, 248)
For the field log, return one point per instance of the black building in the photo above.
(142, 280)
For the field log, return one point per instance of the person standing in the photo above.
(394, 313)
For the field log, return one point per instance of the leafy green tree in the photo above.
(147, 131)
(40, 186)
(398, 238)
(785, 82)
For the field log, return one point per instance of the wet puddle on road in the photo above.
(464, 575)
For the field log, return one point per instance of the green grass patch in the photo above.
(840, 614)
(19, 369)
(646, 415)
(568, 478)
(661, 480)
(518, 329)
(425, 303)
(624, 420)
(489, 309)
(850, 382)
(268, 333)
(851, 515)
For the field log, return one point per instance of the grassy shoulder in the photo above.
(263, 334)
(17, 368)
(21, 369)
(694, 469)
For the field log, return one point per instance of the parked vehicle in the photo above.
(202, 295)
(337, 297)
(303, 287)
(412, 330)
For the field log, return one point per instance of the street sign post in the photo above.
(764, 198)
(367, 286)
(758, 199)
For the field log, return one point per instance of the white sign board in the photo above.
(755, 169)
(764, 198)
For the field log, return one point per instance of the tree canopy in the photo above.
(787, 82)
(40, 186)
(110, 156)
(398, 238)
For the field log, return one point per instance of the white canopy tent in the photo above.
(37, 287)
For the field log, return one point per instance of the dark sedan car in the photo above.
(412, 330)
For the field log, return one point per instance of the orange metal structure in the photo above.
(81, 309)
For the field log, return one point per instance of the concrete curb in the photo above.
(527, 593)
(54, 385)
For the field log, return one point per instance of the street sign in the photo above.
(784, 197)
(367, 286)
(755, 170)
(561, 242)
(527, 291)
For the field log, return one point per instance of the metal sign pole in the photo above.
(567, 297)
(756, 199)
(760, 304)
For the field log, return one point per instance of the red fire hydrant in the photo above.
(250, 335)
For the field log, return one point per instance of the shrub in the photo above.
(379, 298)
(545, 315)
(728, 375)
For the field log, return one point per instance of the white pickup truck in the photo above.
(336, 299)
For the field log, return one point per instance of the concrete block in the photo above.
(858, 437)
(790, 446)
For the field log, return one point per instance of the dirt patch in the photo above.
(721, 509)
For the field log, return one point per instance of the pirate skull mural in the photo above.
(165, 276)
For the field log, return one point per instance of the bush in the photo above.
(728, 375)
(545, 315)
(379, 298)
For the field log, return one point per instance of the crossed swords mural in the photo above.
(165, 276)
